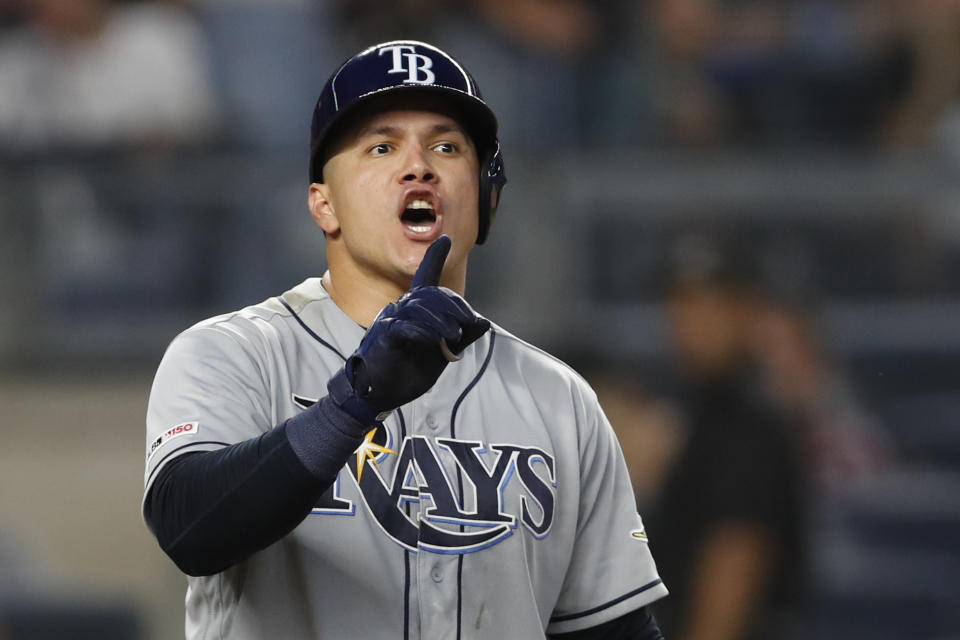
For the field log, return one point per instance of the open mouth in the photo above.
(419, 216)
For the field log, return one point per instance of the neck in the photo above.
(360, 300)
(362, 293)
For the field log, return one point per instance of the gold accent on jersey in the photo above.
(368, 450)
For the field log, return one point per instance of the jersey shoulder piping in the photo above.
(310, 332)
(523, 344)
(473, 383)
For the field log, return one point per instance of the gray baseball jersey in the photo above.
(495, 505)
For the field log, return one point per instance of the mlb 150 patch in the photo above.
(187, 428)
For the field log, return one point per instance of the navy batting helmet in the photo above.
(412, 66)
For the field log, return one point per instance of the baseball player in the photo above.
(365, 456)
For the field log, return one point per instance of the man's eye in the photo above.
(445, 147)
(380, 149)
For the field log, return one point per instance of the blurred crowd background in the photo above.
(739, 219)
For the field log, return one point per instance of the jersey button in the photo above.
(436, 575)
(432, 421)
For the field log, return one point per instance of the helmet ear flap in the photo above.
(492, 179)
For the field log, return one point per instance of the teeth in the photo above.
(420, 228)
(420, 204)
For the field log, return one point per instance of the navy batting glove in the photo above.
(409, 344)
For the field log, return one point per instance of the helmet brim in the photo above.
(470, 111)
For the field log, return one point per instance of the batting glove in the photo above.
(408, 346)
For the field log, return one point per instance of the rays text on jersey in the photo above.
(453, 496)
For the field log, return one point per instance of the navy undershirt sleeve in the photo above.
(639, 624)
(211, 510)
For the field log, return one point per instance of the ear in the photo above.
(321, 208)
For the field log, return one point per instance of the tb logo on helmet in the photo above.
(416, 63)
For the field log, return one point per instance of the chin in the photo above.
(407, 266)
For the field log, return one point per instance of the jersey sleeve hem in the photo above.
(610, 610)
(205, 445)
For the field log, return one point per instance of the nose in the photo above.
(417, 167)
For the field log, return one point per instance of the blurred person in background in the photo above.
(648, 426)
(762, 72)
(90, 91)
(729, 519)
(840, 441)
(100, 74)
(714, 59)
(364, 21)
(567, 28)
(932, 102)
(850, 64)
(558, 55)
(533, 56)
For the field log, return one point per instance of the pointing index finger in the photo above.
(428, 273)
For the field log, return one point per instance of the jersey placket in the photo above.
(436, 573)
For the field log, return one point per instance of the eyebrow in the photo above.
(392, 131)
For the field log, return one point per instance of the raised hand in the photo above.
(408, 345)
